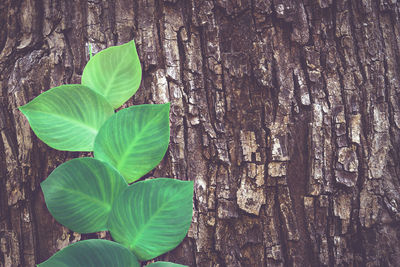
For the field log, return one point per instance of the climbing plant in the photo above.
(91, 194)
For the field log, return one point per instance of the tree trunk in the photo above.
(285, 113)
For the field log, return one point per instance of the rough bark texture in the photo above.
(285, 113)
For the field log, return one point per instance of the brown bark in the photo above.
(285, 113)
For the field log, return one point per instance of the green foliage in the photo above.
(134, 140)
(68, 117)
(114, 73)
(153, 216)
(93, 253)
(88, 195)
(80, 193)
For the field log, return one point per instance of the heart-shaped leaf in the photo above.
(93, 253)
(134, 140)
(153, 216)
(114, 73)
(68, 117)
(79, 193)
(164, 264)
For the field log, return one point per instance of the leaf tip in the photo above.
(22, 109)
(132, 42)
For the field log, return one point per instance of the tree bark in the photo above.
(285, 113)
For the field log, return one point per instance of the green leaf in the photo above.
(114, 73)
(68, 117)
(153, 216)
(93, 253)
(164, 264)
(134, 140)
(79, 193)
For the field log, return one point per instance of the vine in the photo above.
(92, 194)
